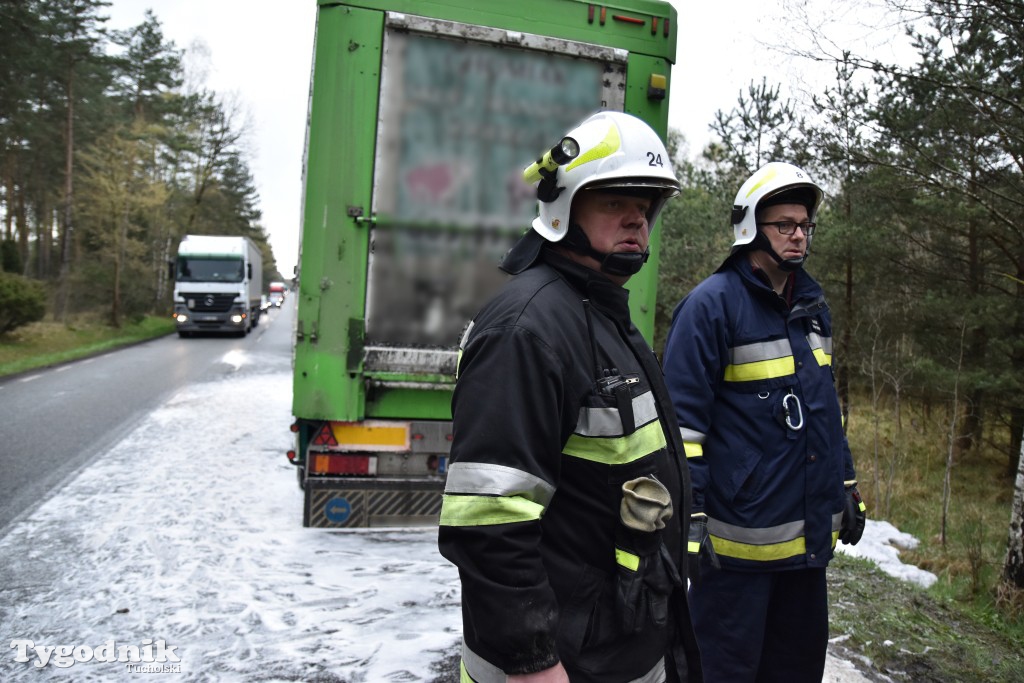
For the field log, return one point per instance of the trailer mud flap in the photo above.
(344, 503)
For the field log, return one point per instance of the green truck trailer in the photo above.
(422, 117)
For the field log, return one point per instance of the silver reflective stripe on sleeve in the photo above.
(465, 335)
(487, 479)
(821, 347)
(479, 669)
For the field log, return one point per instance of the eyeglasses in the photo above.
(789, 227)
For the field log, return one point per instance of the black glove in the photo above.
(854, 515)
(699, 542)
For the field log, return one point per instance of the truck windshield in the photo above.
(219, 269)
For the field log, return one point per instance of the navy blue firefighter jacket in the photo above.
(751, 379)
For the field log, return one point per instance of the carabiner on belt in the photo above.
(789, 402)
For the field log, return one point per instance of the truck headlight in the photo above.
(181, 318)
(237, 318)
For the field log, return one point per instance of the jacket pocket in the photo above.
(645, 581)
(738, 477)
(580, 619)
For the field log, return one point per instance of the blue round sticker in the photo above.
(337, 510)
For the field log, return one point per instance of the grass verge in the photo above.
(896, 631)
(43, 344)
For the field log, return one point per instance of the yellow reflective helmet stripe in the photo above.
(487, 510)
(608, 146)
(768, 175)
(627, 559)
(619, 450)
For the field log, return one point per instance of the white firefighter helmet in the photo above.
(616, 150)
(774, 183)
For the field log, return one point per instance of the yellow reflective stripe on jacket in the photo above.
(760, 361)
(693, 442)
(763, 544)
(463, 510)
(462, 345)
(821, 347)
(480, 493)
(759, 544)
(619, 450)
(760, 553)
(627, 559)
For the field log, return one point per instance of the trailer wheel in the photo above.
(300, 470)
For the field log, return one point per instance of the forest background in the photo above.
(110, 151)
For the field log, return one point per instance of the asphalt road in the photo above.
(54, 422)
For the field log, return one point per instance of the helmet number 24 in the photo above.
(654, 159)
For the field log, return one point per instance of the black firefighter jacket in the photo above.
(560, 401)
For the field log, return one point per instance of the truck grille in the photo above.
(206, 302)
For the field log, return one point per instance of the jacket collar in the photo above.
(604, 294)
(802, 287)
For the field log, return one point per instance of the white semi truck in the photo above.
(218, 281)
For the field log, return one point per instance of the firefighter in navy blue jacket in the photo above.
(748, 362)
(567, 498)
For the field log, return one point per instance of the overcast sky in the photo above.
(260, 52)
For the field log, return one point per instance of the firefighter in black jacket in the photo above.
(567, 498)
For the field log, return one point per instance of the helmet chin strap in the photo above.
(786, 265)
(615, 263)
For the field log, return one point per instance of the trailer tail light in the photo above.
(323, 463)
